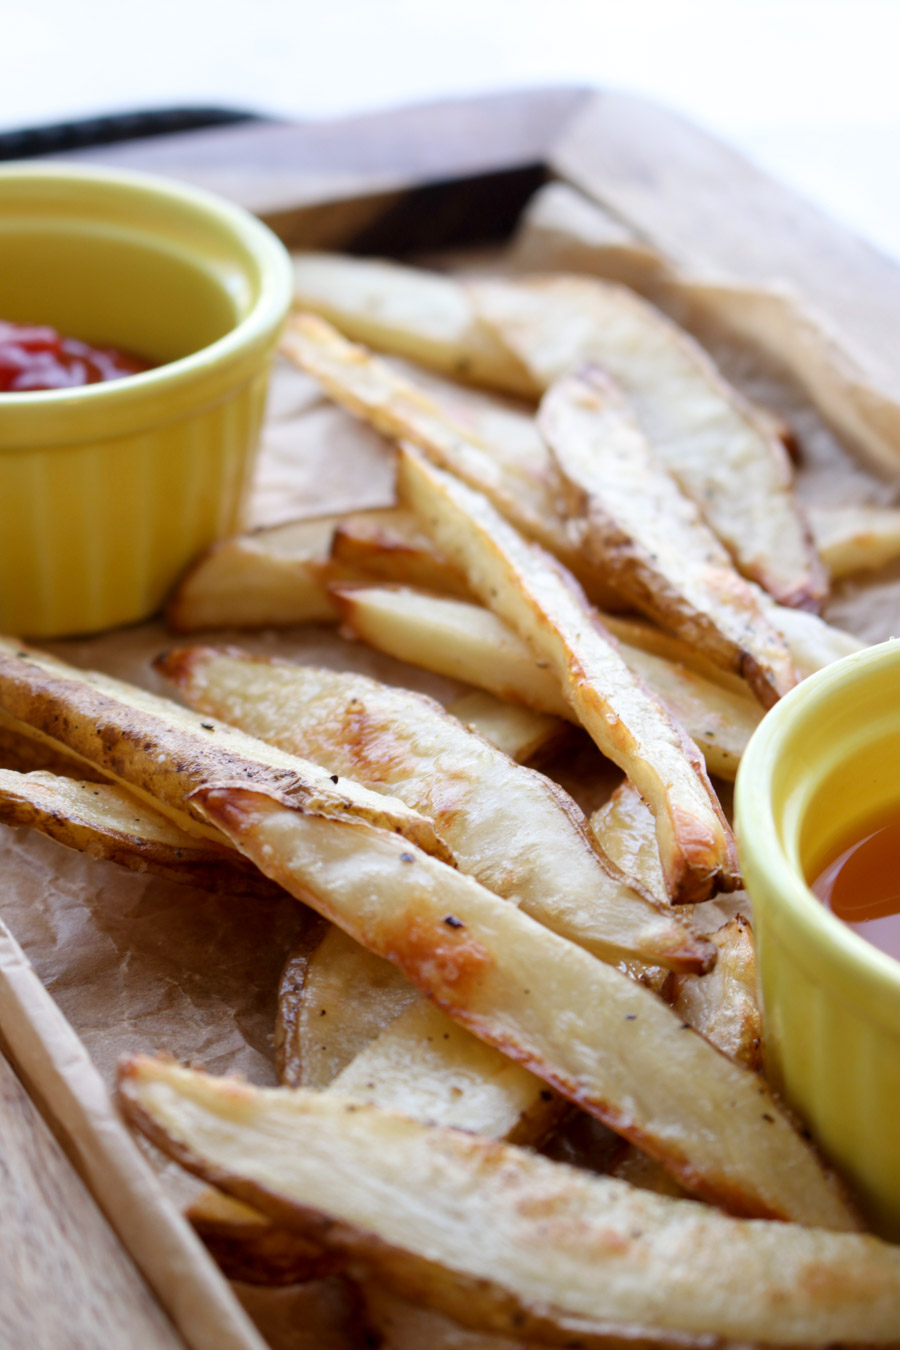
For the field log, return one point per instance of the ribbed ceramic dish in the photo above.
(822, 764)
(107, 491)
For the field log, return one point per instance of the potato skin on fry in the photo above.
(596, 1036)
(107, 822)
(709, 439)
(652, 538)
(544, 604)
(513, 1242)
(162, 751)
(512, 828)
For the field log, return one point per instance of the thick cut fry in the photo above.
(599, 1038)
(394, 1322)
(398, 408)
(25, 750)
(722, 1005)
(420, 315)
(856, 538)
(275, 576)
(512, 1241)
(466, 642)
(353, 1021)
(392, 546)
(250, 1248)
(332, 1003)
(812, 642)
(513, 829)
(543, 604)
(106, 821)
(162, 751)
(624, 825)
(652, 539)
(433, 1070)
(521, 733)
(707, 437)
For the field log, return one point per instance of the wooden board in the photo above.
(65, 1281)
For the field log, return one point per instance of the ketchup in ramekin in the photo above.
(35, 356)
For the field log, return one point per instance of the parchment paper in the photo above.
(137, 964)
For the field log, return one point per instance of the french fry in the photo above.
(431, 1069)
(624, 825)
(597, 1037)
(812, 642)
(392, 546)
(106, 821)
(416, 314)
(352, 1021)
(466, 642)
(275, 576)
(332, 1003)
(856, 538)
(722, 1005)
(651, 539)
(707, 437)
(25, 750)
(398, 408)
(512, 828)
(250, 1248)
(622, 1262)
(161, 751)
(521, 733)
(544, 605)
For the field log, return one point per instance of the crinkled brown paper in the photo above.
(139, 964)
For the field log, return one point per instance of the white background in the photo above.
(809, 88)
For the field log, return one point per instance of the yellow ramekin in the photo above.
(108, 491)
(822, 763)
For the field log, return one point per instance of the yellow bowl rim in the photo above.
(258, 328)
(828, 940)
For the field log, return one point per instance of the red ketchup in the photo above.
(35, 357)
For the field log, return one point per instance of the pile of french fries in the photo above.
(492, 970)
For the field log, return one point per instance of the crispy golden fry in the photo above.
(466, 642)
(519, 732)
(722, 1005)
(651, 539)
(596, 1036)
(431, 1069)
(250, 1248)
(398, 408)
(563, 228)
(812, 642)
(512, 828)
(106, 821)
(161, 751)
(707, 437)
(25, 750)
(274, 576)
(544, 605)
(352, 1021)
(856, 538)
(624, 825)
(416, 314)
(392, 546)
(380, 1189)
(332, 1003)
(402, 1325)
